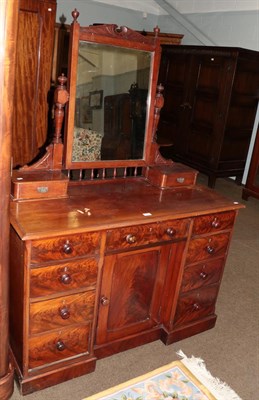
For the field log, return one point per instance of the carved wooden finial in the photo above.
(75, 15)
(62, 80)
(156, 31)
(159, 95)
(62, 19)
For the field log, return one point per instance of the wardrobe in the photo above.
(211, 96)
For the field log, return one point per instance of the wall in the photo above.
(238, 29)
(100, 13)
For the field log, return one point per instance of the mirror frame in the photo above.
(113, 35)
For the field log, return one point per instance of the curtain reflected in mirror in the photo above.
(111, 102)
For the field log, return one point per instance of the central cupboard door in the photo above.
(131, 291)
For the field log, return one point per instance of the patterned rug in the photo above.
(187, 379)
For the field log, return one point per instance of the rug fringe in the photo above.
(219, 389)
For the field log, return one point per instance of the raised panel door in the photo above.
(194, 113)
(241, 115)
(130, 296)
(206, 108)
(175, 75)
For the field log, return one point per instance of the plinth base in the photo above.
(6, 384)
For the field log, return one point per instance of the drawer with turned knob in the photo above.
(59, 345)
(202, 274)
(196, 305)
(203, 269)
(65, 247)
(213, 223)
(65, 277)
(143, 235)
(207, 247)
(61, 312)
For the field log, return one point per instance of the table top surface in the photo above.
(111, 205)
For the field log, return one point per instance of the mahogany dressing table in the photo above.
(107, 255)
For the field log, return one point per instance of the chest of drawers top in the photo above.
(113, 206)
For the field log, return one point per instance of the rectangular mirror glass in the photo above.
(112, 90)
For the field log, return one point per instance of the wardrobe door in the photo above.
(32, 78)
(206, 108)
(176, 75)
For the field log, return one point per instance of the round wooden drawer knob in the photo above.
(66, 279)
(67, 248)
(203, 275)
(64, 313)
(210, 249)
(60, 345)
(170, 232)
(131, 239)
(215, 223)
(104, 301)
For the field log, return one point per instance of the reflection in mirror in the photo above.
(111, 102)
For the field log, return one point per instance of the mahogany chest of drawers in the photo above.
(136, 269)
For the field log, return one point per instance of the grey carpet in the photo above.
(230, 350)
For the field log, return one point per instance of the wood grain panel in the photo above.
(207, 273)
(65, 247)
(196, 305)
(44, 349)
(131, 292)
(136, 274)
(32, 78)
(146, 234)
(26, 72)
(213, 223)
(62, 278)
(8, 40)
(61, 312)
(204, 248)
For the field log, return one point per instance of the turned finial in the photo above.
(62, 80)
(156, 31)
(159, 102)
(75, 15)
(62, 19)
(61, 97)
